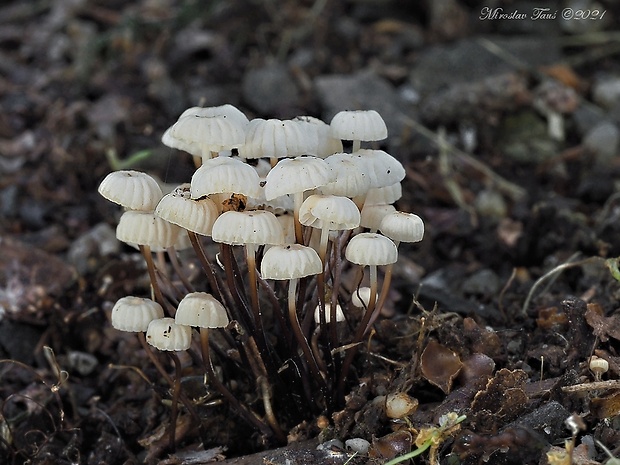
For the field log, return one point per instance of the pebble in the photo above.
(365, 90)
(100, 241)
(468, 60)
(606, 91)
(483, 283)
(603, 141)
(270, 90)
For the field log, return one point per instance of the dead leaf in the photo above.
(603, 327)
(440, 365)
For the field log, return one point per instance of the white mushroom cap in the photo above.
(274, 138)
(323, 143)
(361, 297)
(227, 111)
(384, 195)
(290, 262)
(247, 227)
(372, 215)
(165, 334)
(382, 168)
(329, 211)
(366, 125)
(194, 215)
(328, 306)
(225, 174)
(201, 309)
(133, 190)
(133, 314)
(402, 227)
(351, 179)
(371, 249)
(295, 175)
(145, 228)
(201, 135)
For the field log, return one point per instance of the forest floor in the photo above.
(509, 132)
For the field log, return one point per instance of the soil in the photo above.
(495, 315)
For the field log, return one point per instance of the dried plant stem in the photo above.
(512, 190)
(553, 274)
(271, 418)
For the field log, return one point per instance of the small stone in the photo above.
(82, 362)
(100, 241)
(606, 91)
(603, 141)
(483, 283)
(367, 91)
(270, 90)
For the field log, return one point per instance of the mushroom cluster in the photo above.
(289, 210)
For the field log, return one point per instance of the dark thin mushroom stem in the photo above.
(206, 265)
(301, 340)
(179, 269)
(176, 391)
(184, 399)
(359, 334)
(212, 378)
(150, 266)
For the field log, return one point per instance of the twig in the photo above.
(512, 190)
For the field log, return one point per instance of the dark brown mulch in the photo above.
(87, 85)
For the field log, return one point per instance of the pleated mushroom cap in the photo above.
(294, 175)
(133, 190)
(248, 227)
(165, 334)
(200, 135)
(329, 211)
(382, 168)
(402, 227)
(371, 215)
(225, 175)
(371, 249)
(290, 262)
(275, 138)
(384, 195)
(133, 314)
(366, 125)
(226, 111)
(350, 179)
(202, 310)
(145, 228)
(322, 143)
(196, 215)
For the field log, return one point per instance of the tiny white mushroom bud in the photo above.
(399, 405)
(598, 366)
